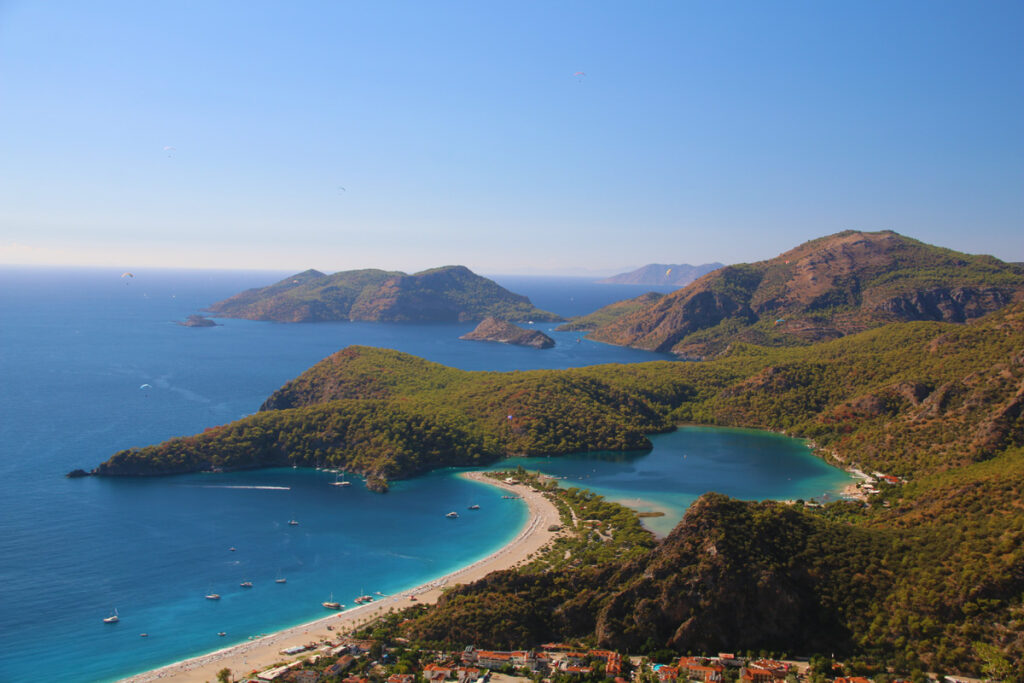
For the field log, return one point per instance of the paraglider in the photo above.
(668, 272)
(127, 274)
(170, 149)
(146, 386)
(127, 277)
(579, 76)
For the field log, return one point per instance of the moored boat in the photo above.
(113, 618)
(452, 515)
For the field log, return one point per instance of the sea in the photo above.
(93, 361)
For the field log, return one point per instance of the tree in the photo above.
(224, 675)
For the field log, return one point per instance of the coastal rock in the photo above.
(492, 329)
(197, 321)
(78, 474)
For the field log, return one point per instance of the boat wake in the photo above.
(258, 488)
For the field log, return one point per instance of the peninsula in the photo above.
(494, 330)
(448, 294)
(674, 274)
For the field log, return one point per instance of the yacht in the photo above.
(292, 522)
(213, 596)
(246, 584)
(113, 618)
(452, 515)
(474, 507)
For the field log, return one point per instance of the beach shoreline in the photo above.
(262, 653)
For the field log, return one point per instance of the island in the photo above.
(449, 294)
(197, 321)
(494, 330)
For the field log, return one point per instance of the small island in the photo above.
(495, 330)
(195, 320)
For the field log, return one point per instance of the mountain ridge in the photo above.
(823, 289)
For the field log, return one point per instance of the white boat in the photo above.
(474, 507)
(281, 580)
(113, 618)
(246, 584)
(213, 596)
(292, 522)
(330, 604)
(341, 482)
(452, 515)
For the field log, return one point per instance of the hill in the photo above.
(823, 289)
(919, 578)
(678, 274)
(494, 330)
(447, 294)
(607, 314)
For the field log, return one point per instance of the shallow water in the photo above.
(77, 345)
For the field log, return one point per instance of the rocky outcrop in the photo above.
(673, 274)
(197, 321)
(494, 330)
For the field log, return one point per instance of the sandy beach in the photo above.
(260, 654)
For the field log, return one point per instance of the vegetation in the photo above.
(608, 314)
(929, 576)
(448, 294)
(824, 289)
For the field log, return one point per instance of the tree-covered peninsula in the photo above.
(447, 294)
(929, 574)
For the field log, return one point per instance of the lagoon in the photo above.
(77, 347)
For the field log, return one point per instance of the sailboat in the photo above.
(280, 579)
(113, 618)
(330, 604)
(336, 482)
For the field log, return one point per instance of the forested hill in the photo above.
(910, 398)
(929, 576)
(823, 289)
(447, 294)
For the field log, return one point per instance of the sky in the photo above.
(511, 137)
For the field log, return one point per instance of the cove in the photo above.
(747, 464)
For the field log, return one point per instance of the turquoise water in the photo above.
(76, 345)
(683, 465)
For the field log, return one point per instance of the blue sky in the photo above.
(701, 131)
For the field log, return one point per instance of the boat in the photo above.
(342, 481)
(113, 618)
(144, 635)
(213, 596)
(474, 507)
(452, 515)
(330, 604)
(292, 522)
(281, 580)
(246, 584)
(221, 633)
(232, 548)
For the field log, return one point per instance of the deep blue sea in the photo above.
(77, 345)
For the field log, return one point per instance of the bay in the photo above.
(77, 349)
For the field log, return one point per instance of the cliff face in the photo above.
(824, 289)
(494, 330)
(448, 294)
